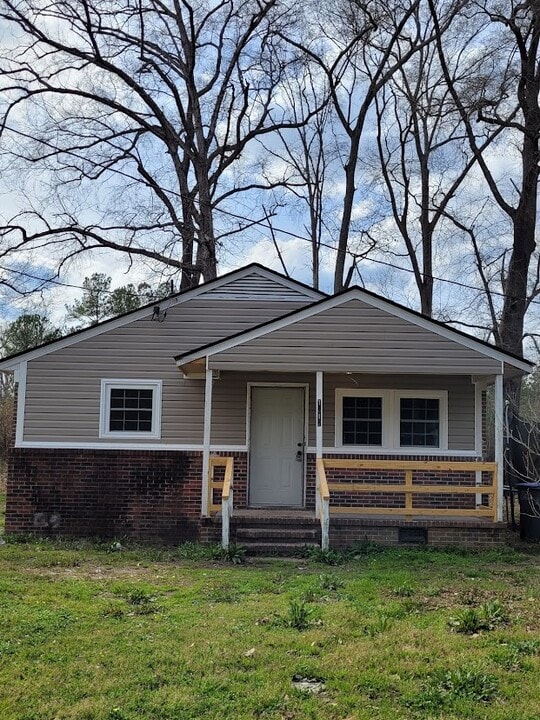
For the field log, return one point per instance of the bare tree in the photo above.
(420, 141)
(309, 153)
(157, 103)
(505, 97)
(359, 46)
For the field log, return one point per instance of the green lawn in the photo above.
(93, 634)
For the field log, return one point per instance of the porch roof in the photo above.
(355, 331)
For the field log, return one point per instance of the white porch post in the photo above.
(479, 387)
(318, 432)
(206, 439)
(499, 444)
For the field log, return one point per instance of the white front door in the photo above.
(276, 466)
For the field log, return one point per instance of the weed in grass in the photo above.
(512, 655)
(445, 687)
(138, 596)
(470, 621)
(310, 594)
(331, 581)
(234, 554)
(298, 616)
(467, 621)
(223, 594)
(325, 557)
(366, 547)
(381, 624)
(194, 551)
(114, 610)
(403, 590)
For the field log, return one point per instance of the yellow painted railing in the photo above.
(218, 462)
(226, 486)
(408, 488)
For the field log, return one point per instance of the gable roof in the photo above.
(373, 300)
(244, 280)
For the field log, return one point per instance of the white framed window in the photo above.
(130, 409)
(392, 419)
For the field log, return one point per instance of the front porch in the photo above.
(409, 502)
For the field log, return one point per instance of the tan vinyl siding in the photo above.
(355, 337)
(63, 387)
(460, 401)
(262, 288)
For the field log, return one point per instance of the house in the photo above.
(254, 408)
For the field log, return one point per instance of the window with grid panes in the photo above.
(130, 410)
(419, 422)
(362, 420)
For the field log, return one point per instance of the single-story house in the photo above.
(255, 409)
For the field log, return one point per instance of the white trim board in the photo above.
(166, 303)
(74, 445)
(51, 445)
(355, 294)
(21, 402)
(393, 451)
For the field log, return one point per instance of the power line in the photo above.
(52, 281)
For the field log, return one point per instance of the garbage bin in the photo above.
(529, 510)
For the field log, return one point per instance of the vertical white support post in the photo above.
(206, 439)
(318, 433)
(225, 523)
(499, 444)
(478, 435)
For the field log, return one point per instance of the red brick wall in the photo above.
(152, 495)
(142, 494)
(344, 532)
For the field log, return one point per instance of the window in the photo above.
(362, 421)
(392, 419)
(419, 422)
(130, 408)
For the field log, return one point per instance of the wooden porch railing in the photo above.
(408, 488)
(227, 496)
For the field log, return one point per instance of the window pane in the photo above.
(419, 422)
(130, 410)
(362, 421)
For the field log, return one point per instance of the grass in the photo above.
(89, 633)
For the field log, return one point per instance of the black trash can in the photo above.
(529, 510)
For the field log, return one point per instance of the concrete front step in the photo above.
(278, 548)
(268, 534)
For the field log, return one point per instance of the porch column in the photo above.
(499, 443)
(206, 439)
(479, 388)
(318, 431)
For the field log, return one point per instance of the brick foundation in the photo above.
(150, 495)
(345, 531)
